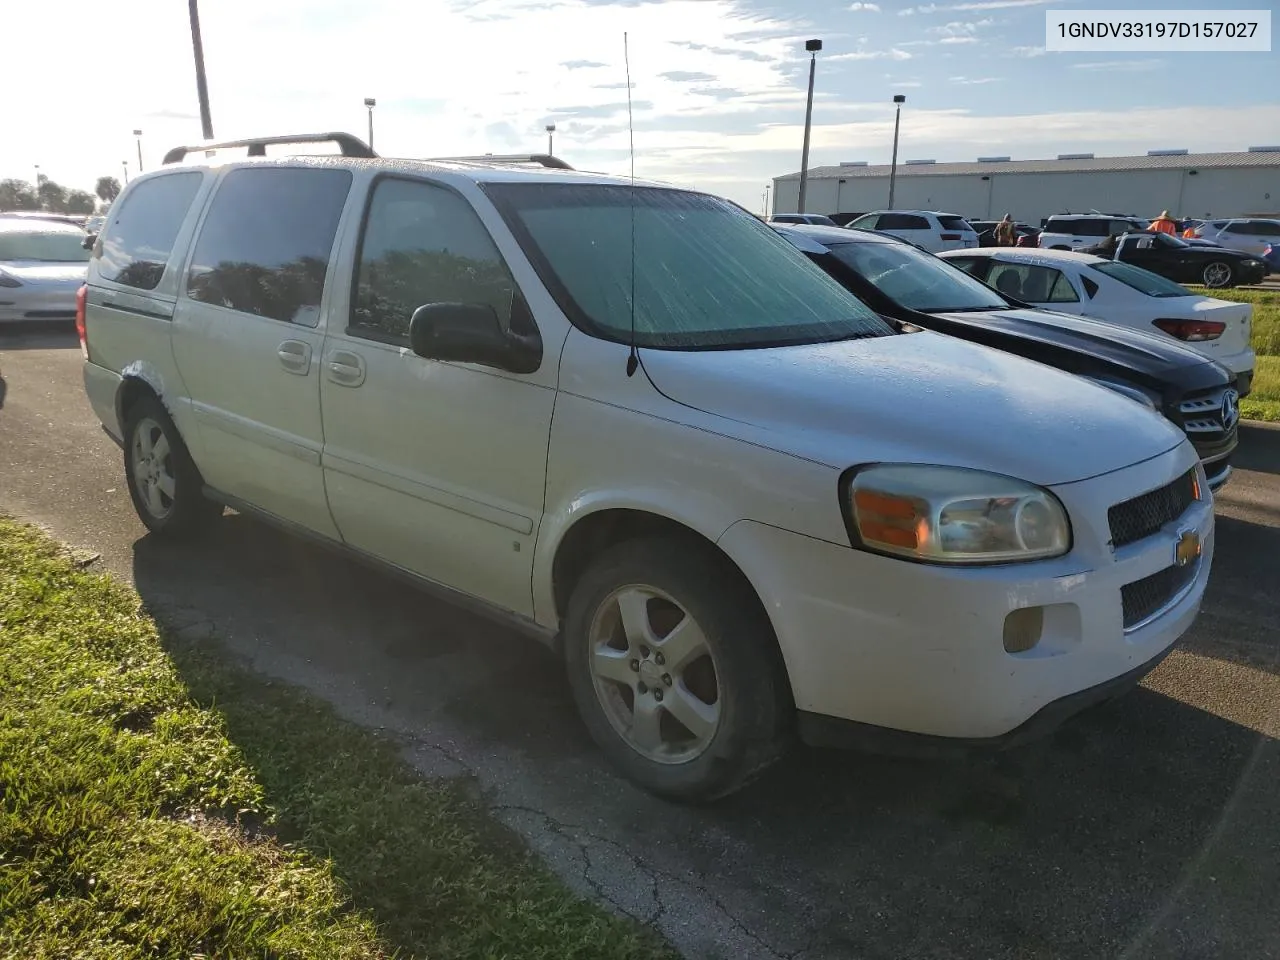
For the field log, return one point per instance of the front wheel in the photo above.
(1217, 275)
(675, 670)
(164, 483)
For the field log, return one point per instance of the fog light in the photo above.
(1022, 629)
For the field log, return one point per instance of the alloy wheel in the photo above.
(153, 474)
(654, 674)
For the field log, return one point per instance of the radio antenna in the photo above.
(633, 358)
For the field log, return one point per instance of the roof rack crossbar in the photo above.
(350, 146)
(546, 159)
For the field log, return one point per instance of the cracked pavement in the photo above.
(1150, 828)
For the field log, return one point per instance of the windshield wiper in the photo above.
(966, 309)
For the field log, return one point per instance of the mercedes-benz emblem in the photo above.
(1230, 409)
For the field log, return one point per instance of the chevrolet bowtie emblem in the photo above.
(1187, 548)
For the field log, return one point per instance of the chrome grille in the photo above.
(1142, 516)
(1144, 599)
(1203, 414)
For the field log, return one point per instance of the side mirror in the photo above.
(471, 333)
(89, 240)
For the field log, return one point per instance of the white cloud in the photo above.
(1120, 66)
(1027, 52)
(961, 28)
(971, 6)
(971, 81)
(865, 7)
(893, 53)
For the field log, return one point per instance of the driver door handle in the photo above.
(344, 368)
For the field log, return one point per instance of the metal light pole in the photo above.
(812, 46)
(124, 165)
(370, 103)
(39, 202)
(551, 133)
(767, 188)
(138, 134)
(202, 86)
(899, 99)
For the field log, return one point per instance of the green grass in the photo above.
(156, 800)
(1263, 403)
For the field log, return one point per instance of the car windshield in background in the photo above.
(706, 274)
(43, 247)
(954, 223)
(1153, 285)
(915, 279)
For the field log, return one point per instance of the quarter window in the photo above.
(865, 223)
(139, 240)
(264, 247)
(424, 244)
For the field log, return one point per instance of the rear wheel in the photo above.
(164, 484)
(1217, 275)
(675, 670)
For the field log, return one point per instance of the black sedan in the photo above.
(1182, 262)
(914, 290)
(987, 232)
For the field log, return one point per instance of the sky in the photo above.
(717, 86)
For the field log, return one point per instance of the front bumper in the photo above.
(1244, 382)
(918, 648)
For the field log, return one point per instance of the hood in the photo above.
(1078, 343)
(920, 398)
(38, 272)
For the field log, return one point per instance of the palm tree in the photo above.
(108, 189)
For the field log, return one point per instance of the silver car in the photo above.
(1249, 235)
(42, 265)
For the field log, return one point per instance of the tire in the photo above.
(738, 679)
(164, 484)
(1218, 275)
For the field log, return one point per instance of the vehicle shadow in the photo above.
(39, 335)
(1259, 448)
(1147, 828)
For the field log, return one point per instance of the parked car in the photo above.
(815, 218)
(927, 229)
(986, 230)
(1247, 235)
(738, 503)
(1123, 294)
(1177, 260)
(42, 265)
(43, 215)
(910, 287)
(1073, 231)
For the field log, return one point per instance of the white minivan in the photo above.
(737, 502)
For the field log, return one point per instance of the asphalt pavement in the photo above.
(1148, 828)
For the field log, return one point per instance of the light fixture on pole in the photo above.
(551, 132)
(370, 103)
(899, 99)
(202, 86)
(812, 46)
(138, 134)
(767, 188)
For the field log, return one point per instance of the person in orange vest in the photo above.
(1189, 233)
(1164, 224)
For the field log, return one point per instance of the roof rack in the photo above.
(546, 159)
(349, 145)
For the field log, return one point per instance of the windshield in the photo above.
(43, 246)
(915, 279)
(1153, 285)
(707, 274)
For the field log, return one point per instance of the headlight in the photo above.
(1133, 393)
(952, 515)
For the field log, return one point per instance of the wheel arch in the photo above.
(136, 379)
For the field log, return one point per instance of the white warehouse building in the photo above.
(1202, 185)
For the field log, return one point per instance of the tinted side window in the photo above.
(424, 244)
(974, 266)
(1264, 228)
(1034, 284)
(902, 221)
(866, 223)
(788, 218)
(1090, 227)
(265, 243)
(1238, 226)
(1090, 288)
(139, 241)
(955, 223)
